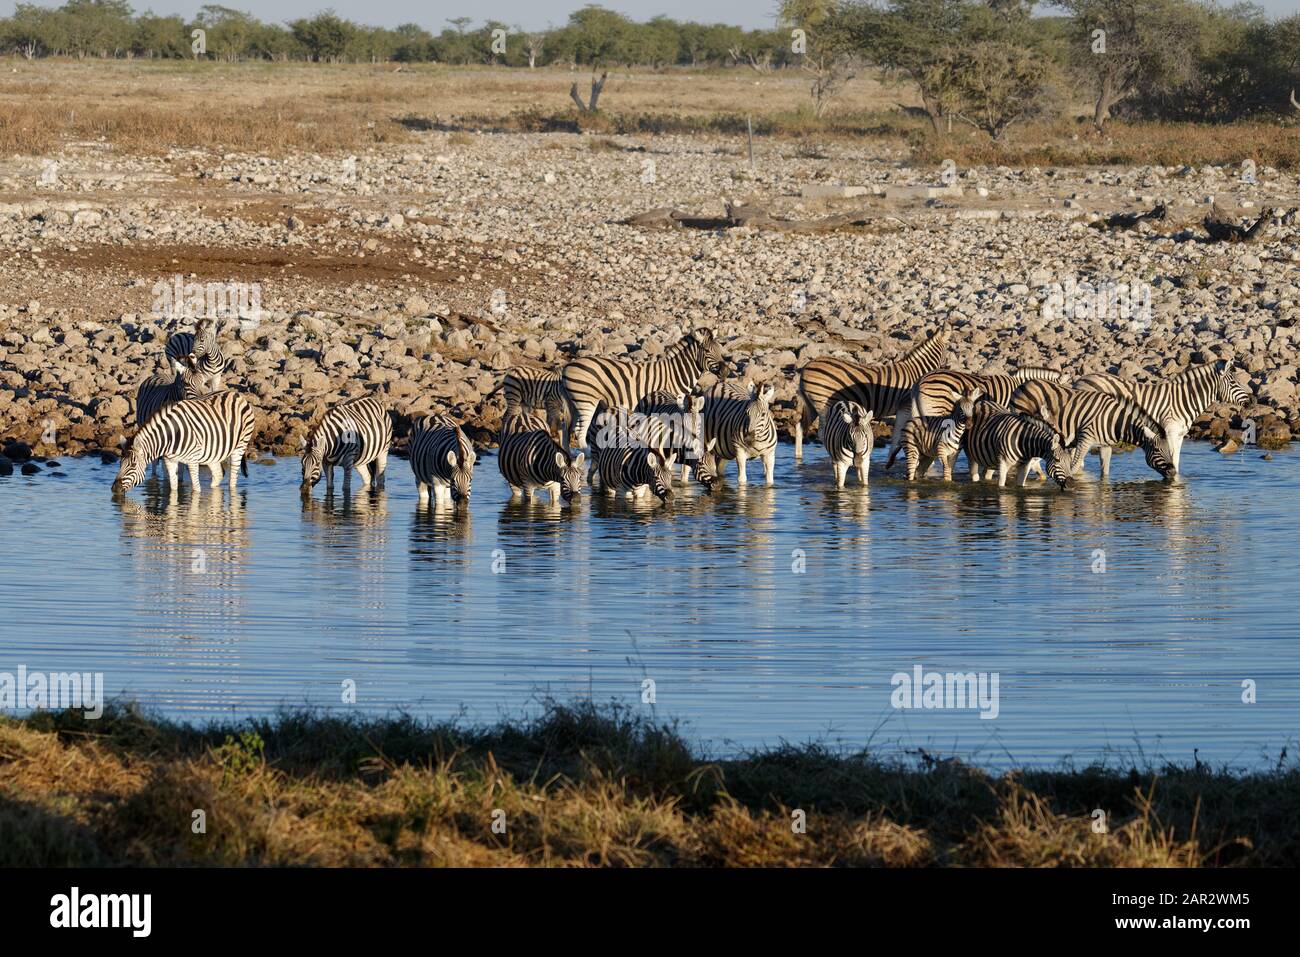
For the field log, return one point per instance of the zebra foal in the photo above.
(203, 345)
(929, 437)
(847, 436)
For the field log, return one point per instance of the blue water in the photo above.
(206, 605)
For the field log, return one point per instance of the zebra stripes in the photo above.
(530, 459)
(929, 437)
(528, 388)
(881, 388)
(205, 348)
(998, 440)
(626, 465)
(442, 457)
(193, 432)
(739, 425)
(354, 434)
(847, 436)
(590, 380)
(1176, 402)
(937, 393)
(1113, 421)
(161, 390)
(675, 426)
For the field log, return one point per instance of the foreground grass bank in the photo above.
(586, 786)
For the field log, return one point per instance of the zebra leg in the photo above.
(216, 474)
(517, 492)
(1022, 473)
(798, 439)
(947, 462)
(585, 413)
(1176, 434)
(720, 467)
(741, 458)
(1035, 467)
(769, 466)
(900, 422)
(196, 475)
(172, 480)
(1003, 468)
(423, 491)
(364, 472)
(1104, 454)
(840, 470)
(329, 478)
(554, 489)
(864, 466)
(381, 463)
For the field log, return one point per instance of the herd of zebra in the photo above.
(640, 421)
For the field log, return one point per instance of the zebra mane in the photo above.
(1138, 415)
(936, 340)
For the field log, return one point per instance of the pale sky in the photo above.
(528, 14)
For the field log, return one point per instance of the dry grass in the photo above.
(150, 107)
(581, 786)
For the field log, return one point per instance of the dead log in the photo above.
(1223, 229)
(755, 217)
(596, 87)
(1129, 220)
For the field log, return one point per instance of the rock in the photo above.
(17, 451)
(30, 468)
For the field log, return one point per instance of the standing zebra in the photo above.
(881, 388)
(529, 388)
(529, 459)
(354, 434)
(937, 393)
(203, 345)
(1113, 420)
(161, 390)
(1176, 402)
(194, 433)
(441, 456)
(590, 380)
(930, 437)
(847, 435)
(739, 425)
(998, 440)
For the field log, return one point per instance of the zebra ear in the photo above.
(866, 416)
(451, 458)
(848, 417)
(192, 362)
(579, 460)
(652, 460)
(712, 442)
(560, 460)
(670, 461)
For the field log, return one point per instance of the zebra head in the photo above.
(966, 405)
(130, 470)
(205, 336)
(193, 381)
(572, 474)
(858, 420)
(704, 468)
(708, 354)
(1229, 390)
(661, 474)
(313, 458)
(1061, 459)
(1155, 446)
(759, 403)
(461, 476)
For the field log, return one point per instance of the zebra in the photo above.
(622, 462)
(161, 390)
(998, 440)
(194, 432)
(530, 458)
(354, 434)
(203, 345)
(442, 457)
(936, 393)
(738, 425)
(880, 388)
(675, 424)
(847, 435)
(930, 437)
(529, 388)
(1176, 402)
(1114, 421)
(590, 380)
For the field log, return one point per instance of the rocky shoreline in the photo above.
(425, 273)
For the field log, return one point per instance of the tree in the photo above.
(1120, 47)
(998, 83)
(824, 47)
(324, 36)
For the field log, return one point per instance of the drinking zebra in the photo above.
(930, 437)
(161, 390)
(998, 440)
(1176, 402)
(528, 388)
(443, 457)
(937, 393)
(203, 345)
(530, 459)
(354, 435)
(847, 435)
(739, 425)
(192, 432)
(674, 424)
(622, 462)
(1114, 421)
(590, 380)
(880, 388)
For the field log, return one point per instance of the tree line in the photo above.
(991, 64)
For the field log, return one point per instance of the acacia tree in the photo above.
(1122, 46)
(827, 54)
(998, 83)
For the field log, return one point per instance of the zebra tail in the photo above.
(243, 465)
